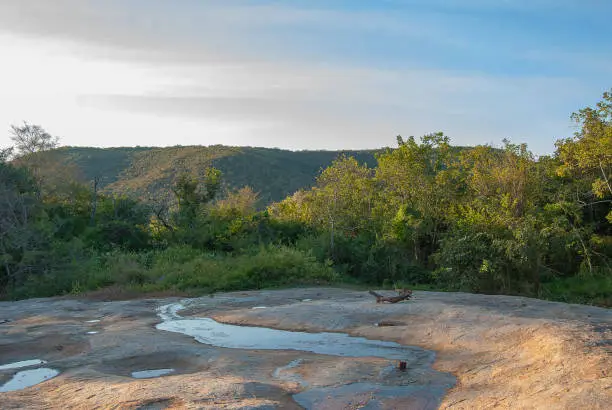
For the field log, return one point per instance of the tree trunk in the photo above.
(94, 201)
(331, 239)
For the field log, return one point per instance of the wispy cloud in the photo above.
(316, 74)
(296, 106)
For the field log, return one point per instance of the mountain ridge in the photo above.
(148, 173)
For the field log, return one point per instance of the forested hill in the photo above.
(147, 173)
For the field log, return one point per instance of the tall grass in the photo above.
(584, 289)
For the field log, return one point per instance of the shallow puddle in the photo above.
(388, 390)
(28, 378)
(148, 374)
(209, 331)
(23, 363)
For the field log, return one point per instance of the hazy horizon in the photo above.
(304, 75)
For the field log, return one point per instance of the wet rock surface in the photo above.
(417, 382)
(505, 352)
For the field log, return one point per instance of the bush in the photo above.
(180, 268)
(592, 289)
(266, 267)
(469, 261)
(366, 259)
(274, 266)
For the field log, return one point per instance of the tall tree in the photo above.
(30, 139)
(344, 196)
(421, 187)
(191, 195)
(588, 155)
(31, 150)
(501, 180)
(18, 210)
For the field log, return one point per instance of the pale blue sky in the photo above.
(303, 74)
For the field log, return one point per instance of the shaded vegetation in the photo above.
(424, 214)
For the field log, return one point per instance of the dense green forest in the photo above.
(148, 174)
(424, 214)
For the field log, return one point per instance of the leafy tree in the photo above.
(240, 202)
(344, 197)
(422, 186)
(192, 196)
(19, 208)
(588, 156)
(121, 222)
(501, 180)
(297, 208)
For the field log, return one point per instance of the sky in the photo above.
(301, 74)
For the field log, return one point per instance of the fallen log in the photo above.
(386, 323)
(404, 294)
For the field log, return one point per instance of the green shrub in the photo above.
(587, 289)
(266, 267)
(274, 266)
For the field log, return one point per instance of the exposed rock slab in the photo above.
(506, 352)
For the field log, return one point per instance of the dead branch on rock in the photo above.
(388, 323)
(403, 294)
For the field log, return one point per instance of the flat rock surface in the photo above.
(504, 352)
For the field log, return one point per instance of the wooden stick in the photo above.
(404, 294)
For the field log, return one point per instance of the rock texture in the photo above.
(505, 352)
